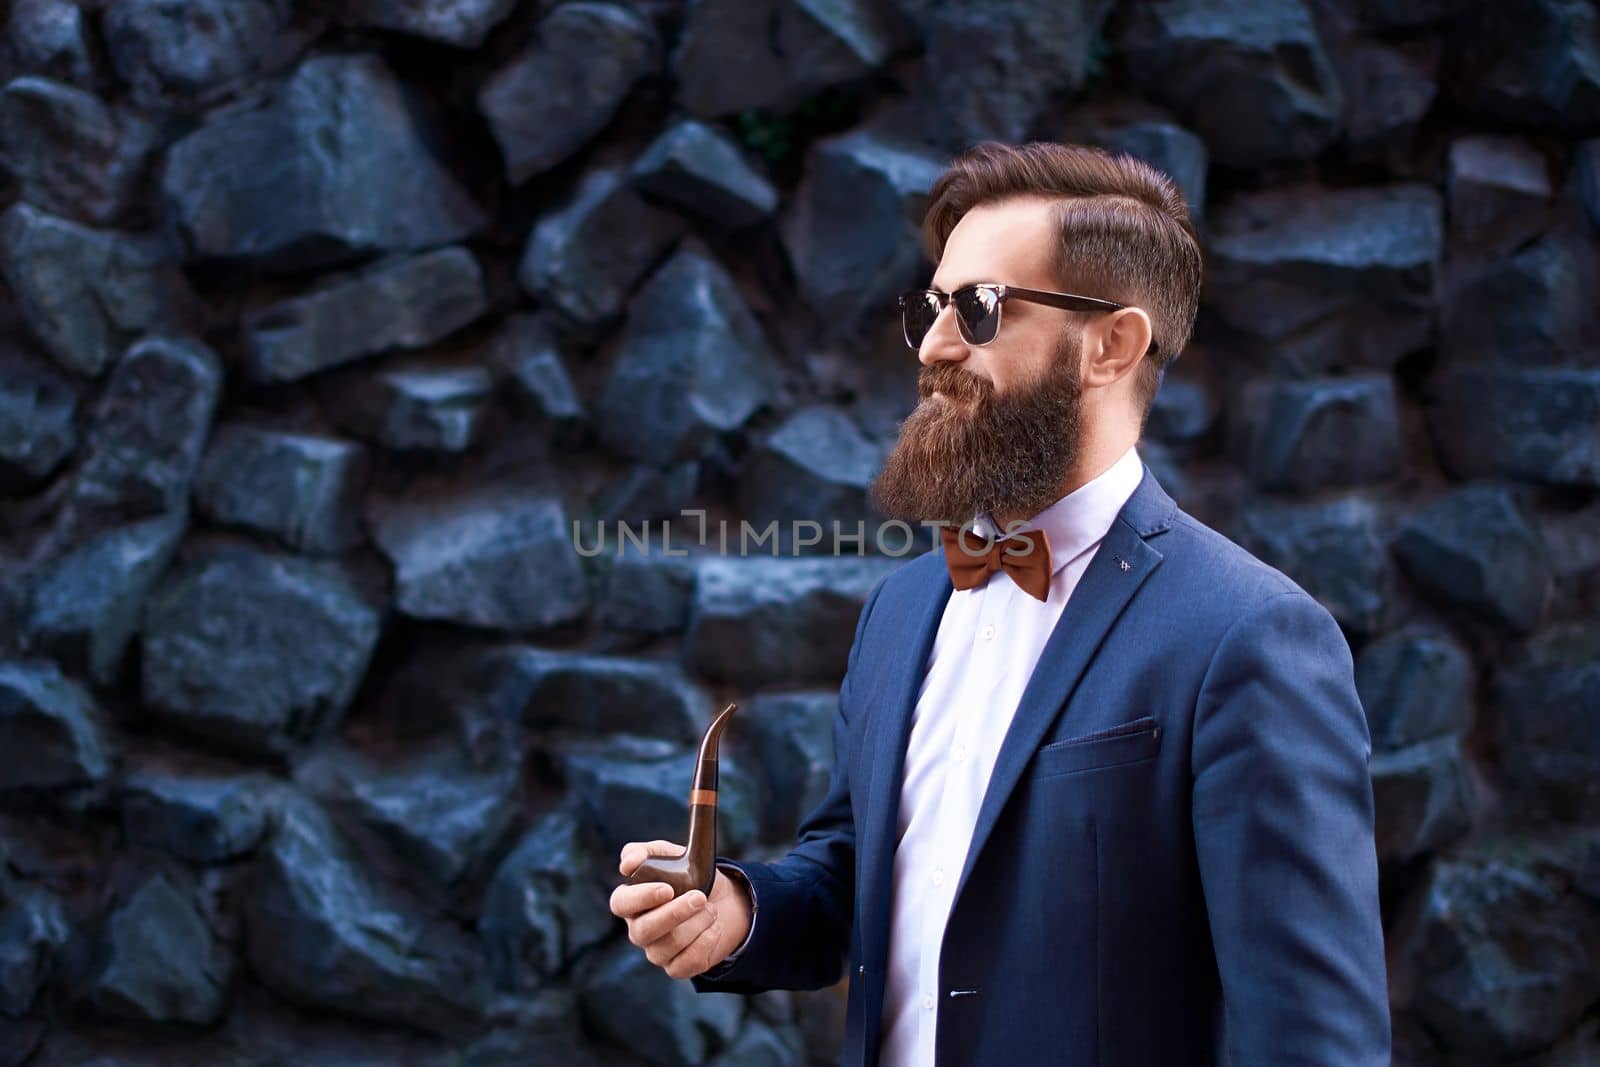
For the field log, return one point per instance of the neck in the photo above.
(1099, 452)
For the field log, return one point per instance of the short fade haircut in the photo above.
(1125, 231)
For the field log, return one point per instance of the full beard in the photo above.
(972, 451)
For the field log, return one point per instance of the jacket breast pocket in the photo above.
(1128, 742)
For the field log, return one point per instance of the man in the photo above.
(1100, 790)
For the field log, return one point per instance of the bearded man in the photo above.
(1100, 791)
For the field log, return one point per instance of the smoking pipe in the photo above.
(696, 868)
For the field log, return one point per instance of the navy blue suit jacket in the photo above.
(1174, 861)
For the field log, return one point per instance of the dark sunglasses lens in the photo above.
(917, 312)
(979, 312)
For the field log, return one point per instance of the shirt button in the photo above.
(938, 876)
(988, 632)
(960, 753)
(927, 1002)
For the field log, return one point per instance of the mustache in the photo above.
(952, 382)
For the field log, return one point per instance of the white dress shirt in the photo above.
(989, 639)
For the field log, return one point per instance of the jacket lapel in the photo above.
(1100, 597)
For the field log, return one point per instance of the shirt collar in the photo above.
(1082, 517)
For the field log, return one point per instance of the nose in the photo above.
(943, 340)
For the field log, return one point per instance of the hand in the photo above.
(685, 935)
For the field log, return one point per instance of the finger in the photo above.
(628, 901)
(636, 852)
(695, 956)
(668, 947)
(659, 923)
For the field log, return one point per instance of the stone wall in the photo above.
(325, 322)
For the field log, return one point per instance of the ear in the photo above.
(1124, 338)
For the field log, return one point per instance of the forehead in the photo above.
(1012, 241)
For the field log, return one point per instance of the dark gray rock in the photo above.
(1586, 174)
(1164, 466)
(1414, 685)
(1474, 550)
(792, 736)
(565, 86)
(48, 722)
(763, 621)
(83, 608)
(1182, 414)
(642, 493)
(255, 651)
(541, 910)
(1389, 16)
(19, 1040)
(335, 166)
(631, 1002)
(542, 1027)
(815, 467)
(1502, 940)
(1334, 549)
(413, 404)
(603, 694)
(472, 695)
(1572, 539)
(1533, 424)
(1532, 66)
(647, 594)
(1320, 433)
(760, 1044)
(1388, 91)
(1527, 308)
(438, 814)
(259, 1029)
(734, 55)
(1255, 82)
(185, 54)
(321, 933)
(33, 929)
(1422, 796)
(994, 70)
(634, 788)
(1329, 279)
(526, 354)
(698, 169)
(150, 428)
(693, 363)
(47, 37)
(463, 23)
(503, 559)
(162, 962)
(585, 257)
(853, 230)
(1497, 192)
(396, 302)
(84, 293)
(303, 489)
(37, 432)
(202, 818)
(72, 154)
(1547, 715)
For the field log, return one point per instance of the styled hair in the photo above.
(1124, 227)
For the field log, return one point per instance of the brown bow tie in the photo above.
(971, 566)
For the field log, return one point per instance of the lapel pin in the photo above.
(1124, 564)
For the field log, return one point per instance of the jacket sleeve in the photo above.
(806, 900)
(1283, 829)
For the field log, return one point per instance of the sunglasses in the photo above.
(978, 309)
